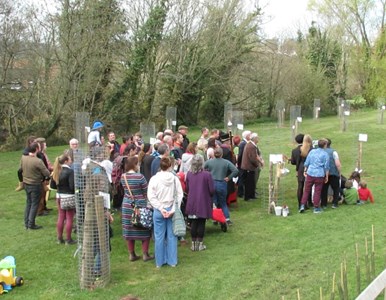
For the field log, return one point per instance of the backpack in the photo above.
(116, 173)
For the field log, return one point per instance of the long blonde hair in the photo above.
(306, 146)
(57, 169)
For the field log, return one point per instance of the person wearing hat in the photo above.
(94, 137)
(34, 172)
(246, 135)
(249, 163)
(184, 131)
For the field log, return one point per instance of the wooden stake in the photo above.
(372, 239)
(358, 269)
(321, 293)
(367, 262)
(102, 233)
(298, 294)
(333, 288)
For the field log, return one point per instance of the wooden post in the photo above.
(270, 187)
(88, 245)
(102, 232)
(332, 297)
(360, 150)
(358, 269)
(372, 266)
(367, 262)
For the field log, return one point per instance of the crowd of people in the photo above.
(173, 173)
(318, 169)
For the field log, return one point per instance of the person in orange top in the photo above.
(364, 193)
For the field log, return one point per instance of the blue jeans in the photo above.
(33, 192)
(220, 197)
(164, 240)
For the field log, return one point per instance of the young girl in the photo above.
(356, 178)
(63, 180)
(364, 193)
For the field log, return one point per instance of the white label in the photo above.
(106, 199)
(362, 137)
(276, 158)
(87, 129)
(347, 113)
(152, 140)
(299, 119)
(383, 107)
(174, 123)
(240, 126)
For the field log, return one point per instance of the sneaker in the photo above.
(215, 223)
(60, 241)
(301, 209)
(229, 223)
(35, 227)
(70, 242)
(334, 206)
(317, 210)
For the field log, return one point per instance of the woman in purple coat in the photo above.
(200, 189)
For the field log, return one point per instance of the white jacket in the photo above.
(160, 190)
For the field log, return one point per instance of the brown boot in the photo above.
(147, 257)
(20, 187)
(133, 256)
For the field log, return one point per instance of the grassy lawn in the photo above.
(261, 257)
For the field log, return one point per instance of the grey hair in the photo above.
(218, 152)
(163, 148)
(197, 164)
(254, 136)
(246, 133)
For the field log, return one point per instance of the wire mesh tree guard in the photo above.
(92, 201)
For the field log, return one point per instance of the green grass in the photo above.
(261, 257)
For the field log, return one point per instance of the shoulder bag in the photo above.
(178, 221)
(67, 202)
(141, 217)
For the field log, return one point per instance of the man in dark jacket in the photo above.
(249, 164)
(34, 172)
(240, 184)
(184, 131)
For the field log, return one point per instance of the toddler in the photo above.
(350, 193)
(364, 193)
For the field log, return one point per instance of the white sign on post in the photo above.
(362, 137)
(276, 158)
(299, 119)
(240, 126)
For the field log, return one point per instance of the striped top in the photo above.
(138, 186)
